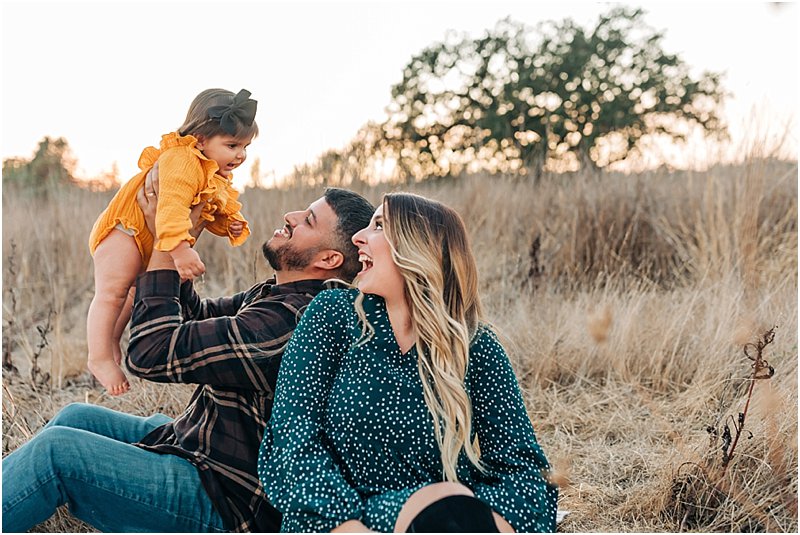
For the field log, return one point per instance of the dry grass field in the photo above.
(625, 303)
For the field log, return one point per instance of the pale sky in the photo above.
(112, 77)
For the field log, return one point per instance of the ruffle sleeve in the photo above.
(181, 174)
(187, 178)
(221, 212)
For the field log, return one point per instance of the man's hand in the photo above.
(198, 223)
(236, 228)
(147, 197)
(187, 261)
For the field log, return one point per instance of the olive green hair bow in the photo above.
(242, 109)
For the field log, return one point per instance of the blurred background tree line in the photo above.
(517, 100)
(52, 167)
(523, 100)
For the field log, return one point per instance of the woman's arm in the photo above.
(297, 471)
(514, 483)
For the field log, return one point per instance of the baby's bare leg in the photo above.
(116, 264)
(121, 323)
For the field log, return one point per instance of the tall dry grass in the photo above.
(624, 302)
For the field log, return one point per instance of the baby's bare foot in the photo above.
(110, 375)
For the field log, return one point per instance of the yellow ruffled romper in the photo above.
(185, 178)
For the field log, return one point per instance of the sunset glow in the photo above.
(120, 74)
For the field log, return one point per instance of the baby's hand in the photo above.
(236, 228)
(187, 261)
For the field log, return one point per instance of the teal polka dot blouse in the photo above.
(351, 437)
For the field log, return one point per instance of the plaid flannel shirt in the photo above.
(231, 347)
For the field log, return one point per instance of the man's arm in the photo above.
(147, 197)
(240, 351)
(193, 307)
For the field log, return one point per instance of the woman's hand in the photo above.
(351, 526)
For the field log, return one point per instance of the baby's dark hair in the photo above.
(199, 123)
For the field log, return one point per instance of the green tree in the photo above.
(51, 166)
(518, 100)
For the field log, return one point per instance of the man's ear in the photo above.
(328, 259)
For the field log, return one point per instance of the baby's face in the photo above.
(228, 151)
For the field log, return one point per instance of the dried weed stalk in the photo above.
(38, 377)
(706, 495)
(10, 313)
(535, 268)
(761, 370)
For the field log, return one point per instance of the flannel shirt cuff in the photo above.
(159, 283)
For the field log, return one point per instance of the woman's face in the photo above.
(379, 274)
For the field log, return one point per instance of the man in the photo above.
(120, 472)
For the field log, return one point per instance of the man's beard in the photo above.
(287, 258)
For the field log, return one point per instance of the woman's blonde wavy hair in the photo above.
(430, 246)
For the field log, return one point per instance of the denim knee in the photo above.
(46, 446)
(71, 415)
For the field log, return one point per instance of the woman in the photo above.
(396, 408)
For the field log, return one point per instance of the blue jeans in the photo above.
(83, 457)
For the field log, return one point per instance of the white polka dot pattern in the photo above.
(351, 437)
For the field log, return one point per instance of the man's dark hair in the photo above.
(354, 213)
